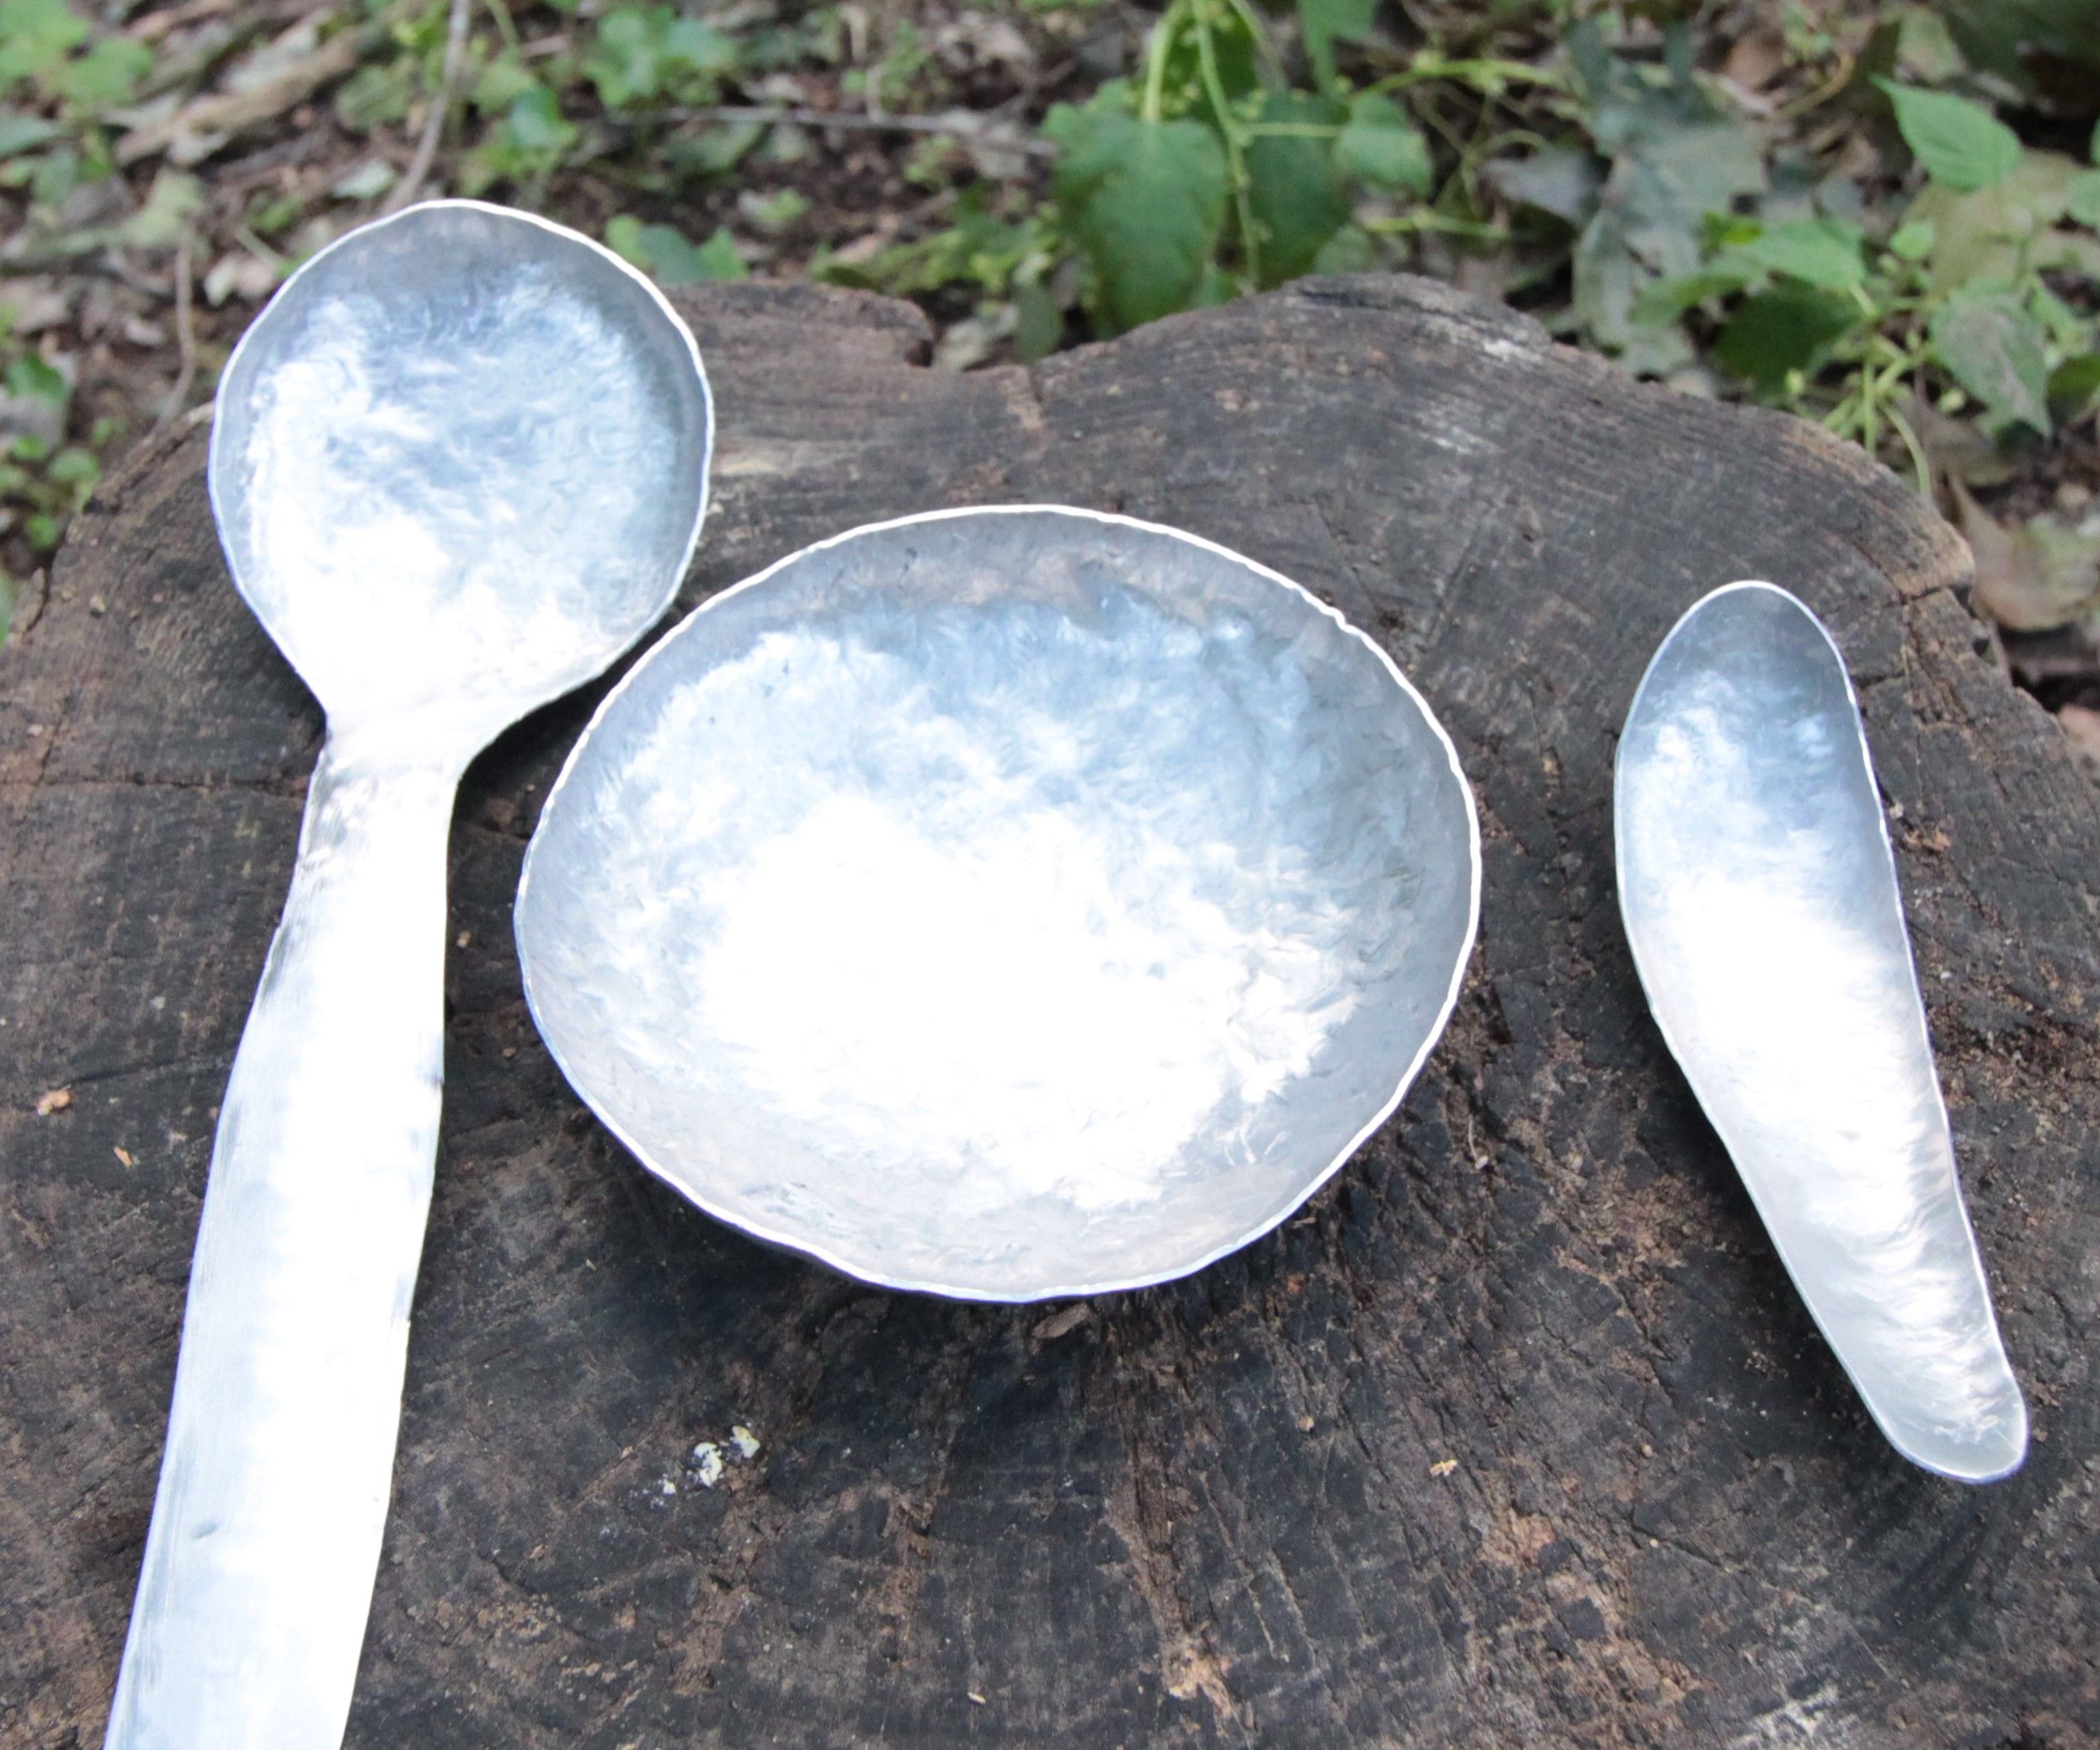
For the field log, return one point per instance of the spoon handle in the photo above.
(259, 1567)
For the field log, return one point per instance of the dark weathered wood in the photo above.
(1519, 1436)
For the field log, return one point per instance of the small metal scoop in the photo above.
(1003, 903)
(458, 465)
(1760, 895)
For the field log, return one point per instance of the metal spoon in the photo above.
(1003, 903)
(458, 465)
(1760, 895)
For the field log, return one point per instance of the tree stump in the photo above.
(1518, 1435)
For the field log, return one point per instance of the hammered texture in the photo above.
(1005, 903)
(458, 464)
(1761, 899)
(454, 466)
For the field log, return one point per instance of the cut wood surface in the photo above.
(1518, 1435)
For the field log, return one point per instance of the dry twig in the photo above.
(440, 111)
(155, 25)
(185, 330)
(203, 125)
(955, 124)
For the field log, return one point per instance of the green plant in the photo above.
(672, 257)
(1213, 175)
(47, 44)
(43, 479)
(60, 78)
(1862, 240)
(1951, 306)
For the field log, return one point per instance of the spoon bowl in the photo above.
(1005, 903)
(458, 467)
(1759, 893)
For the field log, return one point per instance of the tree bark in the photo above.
(1518, 1435)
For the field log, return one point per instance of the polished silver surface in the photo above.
(458, 465)
(1003, 904)
(1760, 895)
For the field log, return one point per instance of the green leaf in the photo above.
(21, 133)
(1350, 250)
(2074, 386)
(1632, 103)
(1038, 322)
(670, 257)
(1818, 252)
(1959, 143)
(1143, 202)
(172, 202)
(1231, 56)
(774, 212)
(624, 62)
(1658, 352)
(379, 94)
(501, 83)
(30, 375)
(979, 250)
(1662, 302)
(640, 53)
(1382, 146)
(713, 150)
(2081, 199)
(1295, 190)
(1925, 48)
(55, 175)
(2068, 332)
(1993, 348)
(107, 74)
(366, 181)
(623, 236)
(35, 36)
(1666, 185)
(275, 214)
(1214, 287)
(1607, 279)
(1999, 232)
(76, 469)
(1321, 22)
(536, 122)
(700, 47)
(720, 258)
(1789, 328)
(1913, 239)
(1672, 168)
(2076, 252)
(1560, 180)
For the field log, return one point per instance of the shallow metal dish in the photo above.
(1003, 904)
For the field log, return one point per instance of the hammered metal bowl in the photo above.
(1003, 903)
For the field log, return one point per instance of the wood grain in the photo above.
(1518, 1436)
